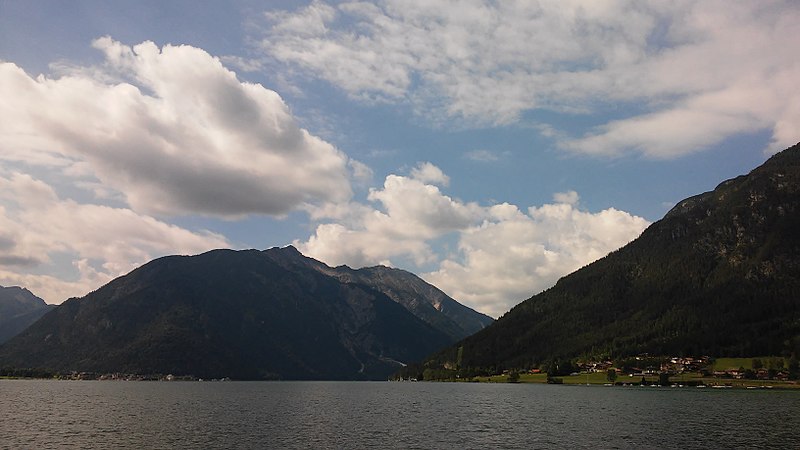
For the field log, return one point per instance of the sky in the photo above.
(490, 147)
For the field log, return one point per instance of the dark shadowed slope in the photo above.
(241, 314)
(718, 275)
(19, 308)
(422, 299)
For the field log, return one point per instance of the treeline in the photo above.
(773, 367)
(13, 372)
(421, 372)
(563, 367)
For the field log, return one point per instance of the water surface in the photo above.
(92, 414)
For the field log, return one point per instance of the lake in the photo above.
(96, 414)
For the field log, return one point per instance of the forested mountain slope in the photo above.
(718, 275)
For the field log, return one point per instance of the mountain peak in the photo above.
(19, 308)
(287, 250)
(244, 314)
(20, 295)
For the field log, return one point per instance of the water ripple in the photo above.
(336, 415)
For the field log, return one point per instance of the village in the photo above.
(677, 371)
(772, 368)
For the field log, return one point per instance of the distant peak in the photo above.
(288, 250)
(15, 288)
(291, 249)
(291, 256)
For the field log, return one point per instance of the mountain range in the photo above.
(19, 308)
(718, 275)
(272, 314)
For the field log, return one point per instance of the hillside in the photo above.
(718, 275)
(240, 314)
(19, 308)
(423, 300)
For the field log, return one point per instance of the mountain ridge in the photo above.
(423, 299)
(19, 308)
(245, 314)
(717, 275)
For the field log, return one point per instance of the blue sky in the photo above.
(490, 147)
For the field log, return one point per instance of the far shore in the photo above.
(685, 380)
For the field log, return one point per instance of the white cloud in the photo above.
(310, 21)
(514, 255)
(699, 122)
(569, 197)
(411, 213)
(337, 244)
(697, 72)
(361, 172)
(101, 242)
(174, 131)
(504, 255)
(243, 64)
(428, 173)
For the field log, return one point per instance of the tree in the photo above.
(663, 379)
(566, 367)
(513, 377)
(794, 368)
(757, 364)
(611, 375)
(775, 364)
(558, 367)
(551, 368)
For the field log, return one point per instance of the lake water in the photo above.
(90, 414)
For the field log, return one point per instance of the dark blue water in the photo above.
(91, 414)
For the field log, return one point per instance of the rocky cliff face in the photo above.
(422, 299)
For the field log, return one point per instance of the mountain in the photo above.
(423, 300)
(19, 308)
(718, 275)
(241, 314)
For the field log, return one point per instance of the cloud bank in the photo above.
(173, 131)
(91, 156)
(159, 132)
(38, 229)
(696, 72)
(503, 256)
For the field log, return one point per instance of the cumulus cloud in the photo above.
(513, 255)
(429, 173)
(697, 72)
(504, 254)
(411, 212)
(37, 228)
(174, 131)
(569, 197)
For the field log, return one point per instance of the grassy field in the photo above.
(591, 378)
(599, 378)
(747, 363)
